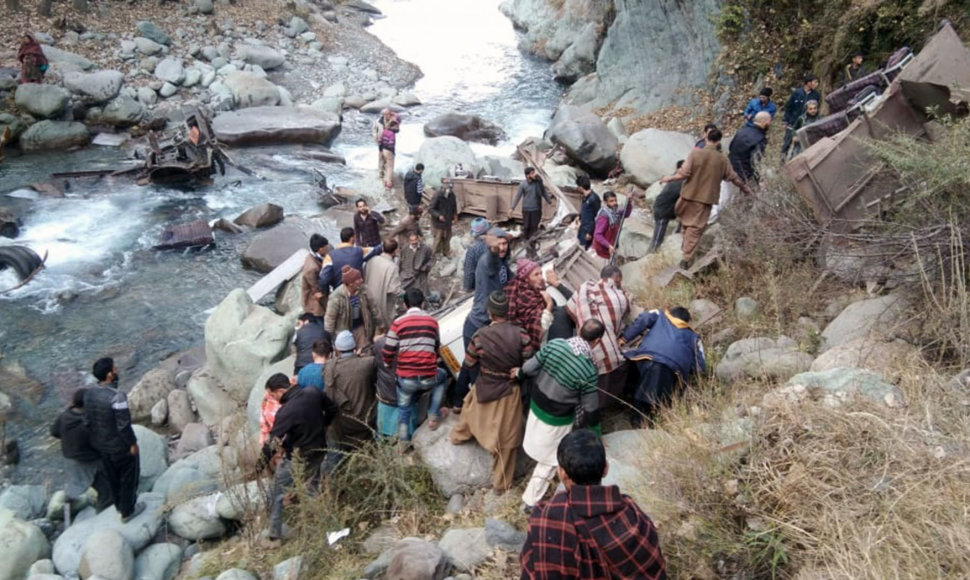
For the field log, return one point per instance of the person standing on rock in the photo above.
(350, 309)
(587, 211)
(350, 383)
(385, 118)
(748, 146)
(590, 530)
(670, 353)
(416, 260)
(411, 348)
(474, 253)
(314, 297)
(702, 174)
(345, 254)
(492, 410)
(367, 225)
(795, 108)
(108, 419)
(309, 329)
(608, 222)
(605, 301)
(663, 211)
(528, 300)
(444, 214)
(382, 281)
(33, 63)
(312, 374)
(531, 191)
(414, 189)
(83, 461)
(386, 145)
(300, 430)
(564, 397)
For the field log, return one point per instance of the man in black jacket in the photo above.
(795, 108)
(444, 213)
(531, 191)
(414, 188)
(587, 212)
(663, 210)
(300, 429)
(109, 422)
(748, 145)
(83, 460)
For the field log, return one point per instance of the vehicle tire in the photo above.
(23, 260)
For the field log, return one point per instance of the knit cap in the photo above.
(345, 341)
(350, 275)
(524, 266)
(498, 304)
(479, 226)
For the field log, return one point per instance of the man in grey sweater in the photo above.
(531, 191)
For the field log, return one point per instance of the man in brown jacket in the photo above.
(350, 308)
(349, 381)
(704, 170)
(314, 300)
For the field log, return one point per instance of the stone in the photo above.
(153, 457)
(465, 127)
(651, 153)
(377, 105)
(503, 535)
(335, 90)
(414, 559)
(55, 507)
(195, 437)
(333, 105)
(636, 235)
(170, 70)
(204, 6)
(236, 574)
(15, 124)
(455, 503)
(465, 548)
(615, 125)
(291, 569)
(100, 86)
(241, 500)
(836, 387)
(196, 519)
(41, 100)
(406, 100)
(585, 138)
(746, 308)
(440, 155)
(54, 135)
(260, 216)
(41, 567)
(270, 248)
(27, 502)
(147, 96)
(503, 167)
(276, 125)
(159, 413)
(158, 562)
(264, 57)
(579, 58)
(148, 46)
(154, 386)
(889, 357)
(701, 310)
(123, 111)
(872, 318)
(251, 90)
(198, 474)
(193, 76)
(137, 533)
(68, 61)
(381, 539)
(241, 339)
(212, 402)
(21, 544)
(440, 457)
(148, 29)
(762, 357)
(180, 411)
(107, 555)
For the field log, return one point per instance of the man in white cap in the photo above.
(350, 383)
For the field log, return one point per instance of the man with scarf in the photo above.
(33, 63)
(528, 300)
(492, 411)
(608, 225)
(606, 301)
(314, 297)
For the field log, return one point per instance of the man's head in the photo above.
(530, 173)
(611, 272)
(304, 319)
(321, 350)
(582, 459)
(498, 306)
(708, 128)
(77, 400)
(530, 272)
(413, 297)
(347, 235)
(419, 168)
(762, 120)
(104, 370)
(414, 239)
(765, 95)
(479, 226)
(498, 242)
(681, 313)
(857, 58)
(362, 207)
(345, 343)
(609, 198)
(317, 243)
(811, 107)
(277, 384)
(351, 278)
(390, 247)
(592, 331)
(680, 164)
(811, 82)
(582, 182)
(714, 135)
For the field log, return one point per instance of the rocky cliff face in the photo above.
(646, 51)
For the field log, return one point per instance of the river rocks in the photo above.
(100, 86)
(148, 46)
(636, 235)
(196, 474)
(155, 385)
(465, 127)
(440, 155)
(264, 57)
(42, 100)
(441, 457)
(21, 544)
(650, 154)
(272, 247)
(195, 437)
(123, 111)
(54, 135)
(158, 562)
(180, 411)
(884, 356)
(872, 318)
(241, 499)
(204, 6)
(211, 400)
(170, 70)
(149, 30)
(502, 535)
(55, 507)
(291, 569)
(551, 28)
(236, 574)
(67, 61)
(251, 90)
(196, 519)
(585, 138)
(241, 339)
(836, 387)
(107, 555)
(414, 559)
(746, 308)
(465, 548)
(260, 216)
(762, 358)
(25, 501)
(276, 125)
(138, 532)
(153, 456)
(44, 566)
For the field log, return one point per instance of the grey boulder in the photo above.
(414, 559)
(276, 125)
(196, 519)
(211, 399)
(147, 46)
(123, 111)
(42, 100)
(251, 90)
(54, 135)
(154, 386)
(107, 555)
(270, 248)
(500, 534)
(260, 216)
(871, 318)
(21, 544)
(158, 562)
(236, 574)
(465, 548)
(265, 57)
(883, 356)
(586, 139)
(837, 387)
(465, 127)
(180, 411)
(440, 155)
(25, 501)
(153, 457)
(762, 357)
(650, 154)
(150, 30)
(100, 86)
(440, 456)
(170, 70)
(68, 61)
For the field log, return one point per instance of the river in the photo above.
(105, 292)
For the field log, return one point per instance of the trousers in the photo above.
(122, 472)
(408, 388)
(530, 222)
(693, 216)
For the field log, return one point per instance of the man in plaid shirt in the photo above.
(589, 531)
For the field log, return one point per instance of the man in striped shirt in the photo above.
(411, 348)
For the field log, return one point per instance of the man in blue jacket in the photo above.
(760, 103)
(668, 355)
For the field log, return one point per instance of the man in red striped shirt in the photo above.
(411, 348)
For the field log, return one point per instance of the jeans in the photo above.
(408, 388)
(282, 482)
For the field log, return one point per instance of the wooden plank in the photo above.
(280, 274)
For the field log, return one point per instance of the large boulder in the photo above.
(465, 127)
(501, 534)
(762, 357)
(650, 154)
(241, 339)
(25, 501)
(873, 318)
(148, 29)
(21, 544)
(196, 519)
(195, 437)
(465, 548)
(260, 216)
(154, 386)
(241, 500)
(272, 247)
(276, 125)
(54, 135)
(198, 474)
(884, 356)
(586, 139)
(264, 57)
(415, 559)
(440, 155)
(67, 61)
(251, 90)
(440, 456)
(153, 457)
(170, 70)
(137, 533)
(836, 387)
(158, 562)
(45, 101)
(212, 401)
(503, 167)
(180, 411)
(579, 59)
(99, 86)
(123, 111)
(107, 555)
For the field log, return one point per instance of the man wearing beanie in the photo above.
(528, 300)
(350, 383)
(474, 253)
(349, 308)
(492, 410)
